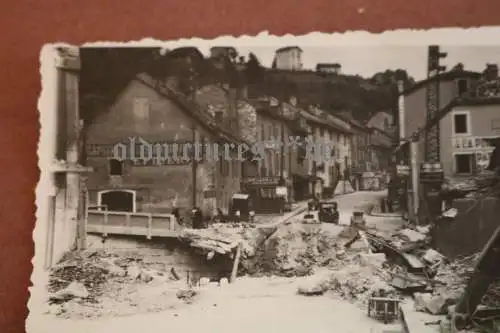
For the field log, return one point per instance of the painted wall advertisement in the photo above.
(479, 146)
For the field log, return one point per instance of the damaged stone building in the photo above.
(156, 113)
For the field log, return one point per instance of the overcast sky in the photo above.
(369, 60)
(365, 53)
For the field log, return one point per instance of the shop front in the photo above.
(269, 195)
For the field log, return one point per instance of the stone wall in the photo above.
(165, 253)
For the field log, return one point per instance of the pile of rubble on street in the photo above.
(400, 265)
(95, 283)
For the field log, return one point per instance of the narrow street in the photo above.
(268, 304)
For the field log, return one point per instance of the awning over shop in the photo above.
(302, 177)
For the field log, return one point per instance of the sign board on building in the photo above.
(281, 191)
(262, 181)
(477, 146)
(403, 170)
(471, 143)
(431, 173)
(209, 194)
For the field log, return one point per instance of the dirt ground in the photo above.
(123, 293)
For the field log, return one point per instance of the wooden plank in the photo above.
(150, 226)
(127, 220)
(415, 322)
(365, 240)
(118, 213)
(236, 263)
(105, 224)
(172, 223)
(138, 231)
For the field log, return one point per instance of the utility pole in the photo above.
(432, 144)
(432, 173)
(194, 164)
(415, 181)
(282, 154)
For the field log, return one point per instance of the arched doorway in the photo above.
(117, 200)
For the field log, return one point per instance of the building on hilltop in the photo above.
(288, 58)
(332, 68)
(223, 51)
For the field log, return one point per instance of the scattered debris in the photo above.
(186, 295)
(314, 285)
(435, 304)
(412, 235)
(73, 290)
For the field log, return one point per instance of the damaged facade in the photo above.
(156, 114)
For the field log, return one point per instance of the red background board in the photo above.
(28, 24)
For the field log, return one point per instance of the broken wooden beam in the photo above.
(236, 263)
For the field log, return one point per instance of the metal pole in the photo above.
(282, 153)
(415, 183)
(401, 110)
(194, 167)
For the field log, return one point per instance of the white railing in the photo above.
(127, 223)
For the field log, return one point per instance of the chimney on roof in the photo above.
(491, 72)
(458, 67)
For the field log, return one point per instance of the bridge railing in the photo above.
(150, 225)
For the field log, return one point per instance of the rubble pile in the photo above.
(360, 276)
(212, 240)
(78, 272)
(415, 268)
(95, 283)
(455, 275)
(292, 250)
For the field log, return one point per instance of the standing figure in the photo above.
(335, 213)
(177, 215)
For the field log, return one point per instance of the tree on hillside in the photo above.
(254, 72)
(106, 71)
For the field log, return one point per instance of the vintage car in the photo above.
(241, 208)
(328, 212)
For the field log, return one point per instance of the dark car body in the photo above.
(328, 213)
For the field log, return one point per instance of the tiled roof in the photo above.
(323, 122)
(347, 116)
(190, 107)
(288, 48)
(448, 76)
(464, 101)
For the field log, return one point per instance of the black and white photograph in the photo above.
(325, 183)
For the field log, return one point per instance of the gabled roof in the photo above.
(463, 101)
(191, 108)
(288, 48)
(347, 116)
(324, 123)
(447, 76)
